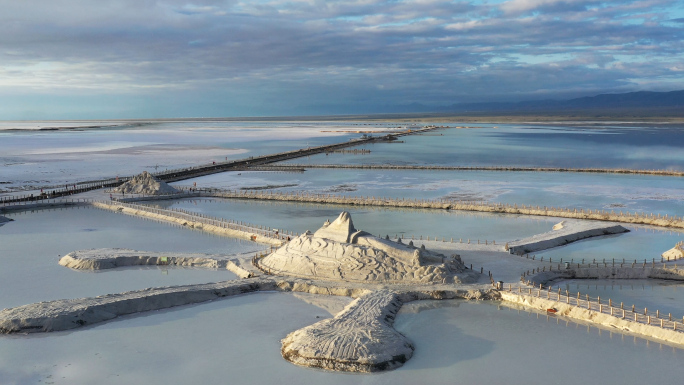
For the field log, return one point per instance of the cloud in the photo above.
(371, 52)
(520, 6)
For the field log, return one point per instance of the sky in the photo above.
(107, 59)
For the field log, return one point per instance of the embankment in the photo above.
(101, 259)
(212, 225)
(605, 316)
(566, 232)
(443, 204)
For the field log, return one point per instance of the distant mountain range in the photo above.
(631, 100)
(642, 102)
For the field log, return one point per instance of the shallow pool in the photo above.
(31, 245)
(300, 217)
(237, 340)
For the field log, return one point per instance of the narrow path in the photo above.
(213, 168)
(603, 312)
(222, 226)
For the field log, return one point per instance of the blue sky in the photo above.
(84, 59)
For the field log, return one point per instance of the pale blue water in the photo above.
(378, 221)
(237, 340)
(654, 294)
(643, 193)
(38, 159)
(640, 147)
(641, 243)
(30, 247)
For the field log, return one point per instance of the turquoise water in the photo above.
(641, 243)
(654, 294)
(378, 221)
(238, 340)
(30, 247)
(643, 193)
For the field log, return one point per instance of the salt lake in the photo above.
(237, 339)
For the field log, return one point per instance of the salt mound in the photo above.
(147, 184)
(340, 252)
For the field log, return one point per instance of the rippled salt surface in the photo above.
(31, 244)
(237, 340)
(378, 221)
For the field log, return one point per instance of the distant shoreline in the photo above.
(585, 119)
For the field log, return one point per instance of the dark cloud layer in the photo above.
(169, 57)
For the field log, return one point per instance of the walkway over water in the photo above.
(653, 324)
(215, 167)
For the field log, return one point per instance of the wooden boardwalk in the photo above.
(213, 168)
(649, 323)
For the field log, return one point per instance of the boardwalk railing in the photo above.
(602, 306)
(560, 264)
(67, 190)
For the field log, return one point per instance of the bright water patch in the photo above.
(238, 340)
(33, 159)
(640, 147)
(30, 247)
(300, 217)
(654, 294)
(611, 192)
